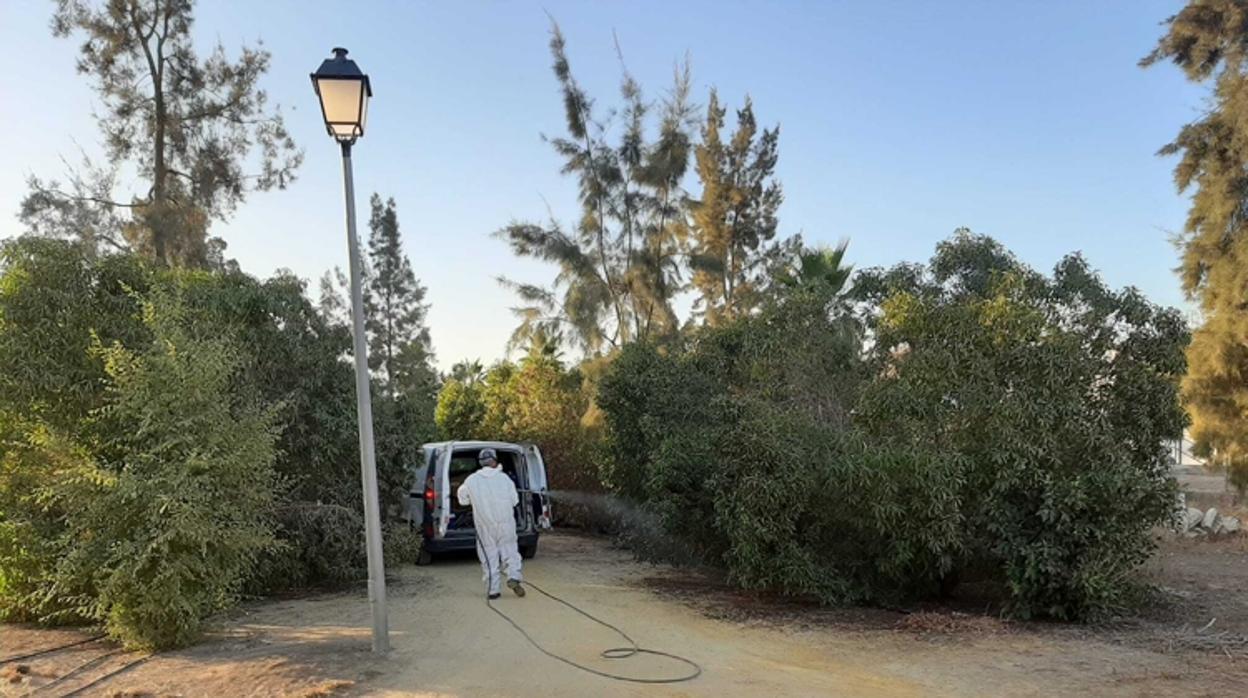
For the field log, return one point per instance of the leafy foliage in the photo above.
(193, 471)
(177, 459)
(817, 266)
(460, 410)
(56, 302)
(1206, 40)
(537, 400)
(997, 421)
(670, 417)
(1057, 394)
(65, 314)
(321, 545)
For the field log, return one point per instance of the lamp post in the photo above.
(344, 92)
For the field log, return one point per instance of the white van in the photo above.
(446, 525)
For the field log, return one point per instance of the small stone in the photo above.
(1211, 517)
(1192, 518)
(1229, 524)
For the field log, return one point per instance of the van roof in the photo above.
(477, 444)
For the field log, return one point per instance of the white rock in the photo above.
(1211, 517)
(1192, 518)
(1229, 524)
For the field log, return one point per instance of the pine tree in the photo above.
(187, 124)
(398, 345)
(1208, 40)
(736, 215)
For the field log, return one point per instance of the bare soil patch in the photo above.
(447, 642)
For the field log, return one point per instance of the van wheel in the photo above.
(528, 552)
(424, 558)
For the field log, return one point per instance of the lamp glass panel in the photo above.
(341, 101)
(345, 131)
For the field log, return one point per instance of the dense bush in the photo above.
(1057, 394)
(781, 499)
(320, 545)
(69, 443)
(995, 419)
(56, 302)
(176, 461)
(460, 409)
(811, 510)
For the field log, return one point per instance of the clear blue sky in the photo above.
(900, 121)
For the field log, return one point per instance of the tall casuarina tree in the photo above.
(1208, 40)
(198, 131)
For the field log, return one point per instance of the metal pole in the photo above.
(364, 410)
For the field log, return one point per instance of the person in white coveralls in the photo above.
(494, 498)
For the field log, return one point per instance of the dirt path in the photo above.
(447, 642)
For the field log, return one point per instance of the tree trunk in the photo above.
(158, 230)
(156, 69)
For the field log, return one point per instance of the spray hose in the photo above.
(631, 650)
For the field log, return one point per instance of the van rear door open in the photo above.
(537, 483)
(442, 502)
(417, 496)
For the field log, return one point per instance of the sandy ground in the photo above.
(448, 643)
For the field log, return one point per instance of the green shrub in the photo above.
(647, 396)
(460, 409)
(105, 435)
(401, 544)
(1002, 422)
(1056, 394)
(322, 546)
(56, 300)
(787, 503)
(536, 400)
(174, 532)
(812, 511)
(160, 515)
(319, 545)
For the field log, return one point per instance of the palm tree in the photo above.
(467, 372)
(546, 346)
(821, 267)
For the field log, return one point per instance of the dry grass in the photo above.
(949, 623)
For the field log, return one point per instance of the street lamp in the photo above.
(344, 92)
